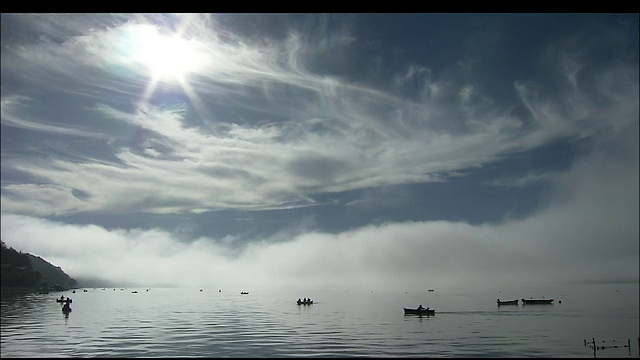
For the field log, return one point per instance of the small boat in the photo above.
(537, 301)
(66, 301)
(426, 311)
(431, 290)
(244, 292)
(309, 302)
(507, 302)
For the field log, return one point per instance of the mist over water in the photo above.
(175, 322)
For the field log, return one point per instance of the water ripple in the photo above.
(148, 324)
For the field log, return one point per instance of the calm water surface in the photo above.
(187, 322)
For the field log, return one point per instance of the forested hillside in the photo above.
(24, 270)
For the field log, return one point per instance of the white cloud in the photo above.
(589, 233)
(530, 178)
(10, 107)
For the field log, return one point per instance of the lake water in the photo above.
(187, 322)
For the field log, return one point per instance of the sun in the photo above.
(170, 58)
(156, 55)
(165, 57)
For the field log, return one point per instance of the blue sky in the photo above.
(372, 150)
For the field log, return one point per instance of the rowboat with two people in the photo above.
(419, 311)
(305, 301)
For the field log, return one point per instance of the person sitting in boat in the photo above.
(299, 301)
(420, 308)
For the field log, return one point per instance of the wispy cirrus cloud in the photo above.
(312, 133)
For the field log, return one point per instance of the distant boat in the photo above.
(537, 301)
(308, 302)
(419, 312)
(507, 302)
(431, 290)
(244, 292)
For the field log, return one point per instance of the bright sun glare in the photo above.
(166, 57)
